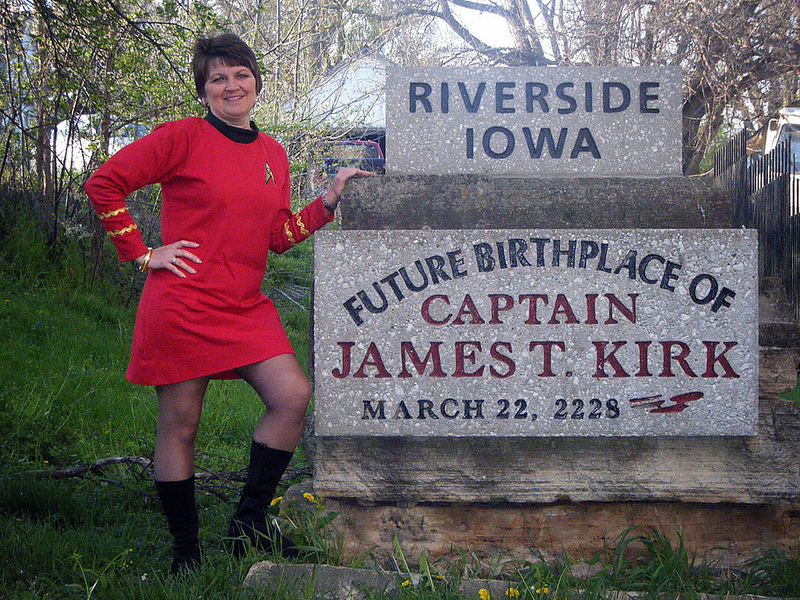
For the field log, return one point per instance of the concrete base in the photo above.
(723, 535)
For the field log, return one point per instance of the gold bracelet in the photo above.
(147, 257)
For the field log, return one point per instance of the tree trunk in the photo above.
(43, 156)
(695, 107)
(98, 231)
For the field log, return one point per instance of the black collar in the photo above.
(235, 134)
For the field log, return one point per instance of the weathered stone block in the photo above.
(721, 534)
(778, 370)
(479, 202)
(764, 469)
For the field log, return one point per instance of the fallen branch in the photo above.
(96, 467)
(206, 478)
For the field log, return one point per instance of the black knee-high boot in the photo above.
(251, 521)
(177, 502)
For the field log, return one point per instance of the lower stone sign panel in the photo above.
(536, 333)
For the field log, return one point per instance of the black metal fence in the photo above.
(766, 197)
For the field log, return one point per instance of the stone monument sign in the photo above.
(534, 121)
(536, 333)
(533, 333)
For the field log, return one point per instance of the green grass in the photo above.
(64, 401)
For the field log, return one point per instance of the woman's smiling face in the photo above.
(231, 93)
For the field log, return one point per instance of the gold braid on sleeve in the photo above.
(287, 229)
(127, 229)
(303, 231)
(112, 213)
(289, 235)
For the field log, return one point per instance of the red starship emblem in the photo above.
(679, 402)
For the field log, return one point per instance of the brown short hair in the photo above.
(227, 48)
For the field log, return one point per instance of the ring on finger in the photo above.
(174, 261)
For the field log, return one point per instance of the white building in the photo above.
(351, 96)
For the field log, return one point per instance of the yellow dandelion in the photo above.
(406, 583)
(484, 594)
(276, 500)
(542, 590)
(309, 497)
(512, 593)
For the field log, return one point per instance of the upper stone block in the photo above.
(535, 121)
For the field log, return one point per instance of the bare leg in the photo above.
(179, 408)
(285, 392)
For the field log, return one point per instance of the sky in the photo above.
(488, 28)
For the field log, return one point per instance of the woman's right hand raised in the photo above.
(173, 257)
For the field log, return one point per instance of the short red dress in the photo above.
(226, 189)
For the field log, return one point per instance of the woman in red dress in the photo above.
(202, 314)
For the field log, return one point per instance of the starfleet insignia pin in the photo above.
(268, 174)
